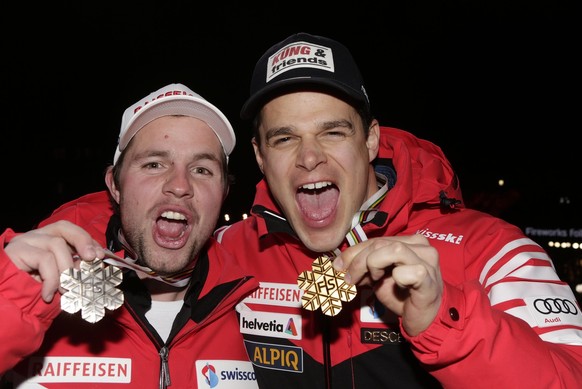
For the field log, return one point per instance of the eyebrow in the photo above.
(324, 126)
(338, 123)
(209, 156)
(277, 132)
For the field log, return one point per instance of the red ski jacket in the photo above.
(506, 320)
(57, 349)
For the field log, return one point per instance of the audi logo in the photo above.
(553, 305)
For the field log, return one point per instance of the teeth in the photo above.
(173, 215)
(317, 185)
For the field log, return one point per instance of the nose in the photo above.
(178, 183)
(310, 154)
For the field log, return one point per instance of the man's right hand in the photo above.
(46, 252)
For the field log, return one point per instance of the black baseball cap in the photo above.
(305, 61)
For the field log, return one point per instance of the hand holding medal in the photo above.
(324, 287)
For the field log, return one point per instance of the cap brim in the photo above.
(269, 92)
(182, 105)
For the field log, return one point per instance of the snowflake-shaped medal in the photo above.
(325, 287)
(91, 289)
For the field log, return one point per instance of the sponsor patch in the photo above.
(275, 356)
(225, 374)
(269, 293)
(300, 55)
(444, 236)
(276, 325)
(79, 369)
(380, 336)
(554, 311)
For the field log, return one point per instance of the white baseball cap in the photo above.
(174, 99)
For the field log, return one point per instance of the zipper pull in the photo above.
(164, 369)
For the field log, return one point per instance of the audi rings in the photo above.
(555, 305)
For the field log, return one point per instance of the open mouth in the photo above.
(318, 200)
(172, 225)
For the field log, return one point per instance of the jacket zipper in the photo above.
(327, 367)
(164, 351)
(164, 368)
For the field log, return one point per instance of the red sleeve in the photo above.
(470, 338)
(25, 316)
(91, 211)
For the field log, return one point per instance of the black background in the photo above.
(494, 83)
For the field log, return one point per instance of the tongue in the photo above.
(170, 230)
(317, 205)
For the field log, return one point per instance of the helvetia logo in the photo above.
(277, 325)
(270, 326)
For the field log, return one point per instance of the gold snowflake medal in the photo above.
(324, 287)
(91, 289)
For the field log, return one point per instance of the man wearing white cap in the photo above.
(158, 302)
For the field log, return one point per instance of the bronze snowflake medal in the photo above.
(325, 287)
(91, 289)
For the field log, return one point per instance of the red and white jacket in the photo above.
(57, 349)
(506, 320)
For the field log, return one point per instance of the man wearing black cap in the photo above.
(434, 293)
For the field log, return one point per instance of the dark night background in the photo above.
(494, 83)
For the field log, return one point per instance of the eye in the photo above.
(203, 171)
(335, 134)
(280, 140)
(152, 165)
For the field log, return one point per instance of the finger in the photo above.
(50, 250)
(410, 276)
(50, 276)
(344, 260)
(376, 260)
(42, 266)
(77, 238)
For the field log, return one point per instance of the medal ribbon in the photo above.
(366, 213)
(178, 280)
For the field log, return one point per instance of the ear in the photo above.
(373, 141)
(258, 155)
(110, 182)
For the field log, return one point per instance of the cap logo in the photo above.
(300, 55)
(166, 94)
